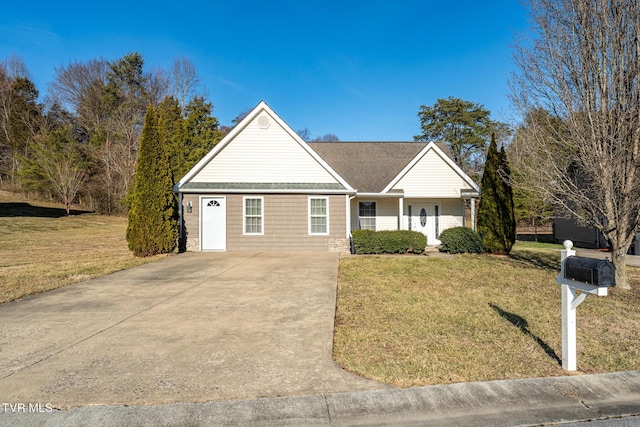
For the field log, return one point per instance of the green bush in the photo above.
(458, 240)
(388, 242)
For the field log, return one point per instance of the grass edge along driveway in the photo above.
(416, 320)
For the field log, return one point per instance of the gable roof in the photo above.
(442, 152)
(370, 166)
(262, 153)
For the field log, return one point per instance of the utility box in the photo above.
(592, 271)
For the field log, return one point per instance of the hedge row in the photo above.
(388, 242)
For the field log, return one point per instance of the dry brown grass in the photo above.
(43, 249)
(424, 320)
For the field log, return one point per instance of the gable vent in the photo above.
(264, 121)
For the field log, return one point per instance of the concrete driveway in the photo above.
(189, 328)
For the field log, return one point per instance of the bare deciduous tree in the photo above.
(184, 81)
(582, 70)
(20, 114)
(78, 88)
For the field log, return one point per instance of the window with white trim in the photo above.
(253, 219)
(318, 215)
(367, 215)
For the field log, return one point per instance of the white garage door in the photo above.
(213, 214)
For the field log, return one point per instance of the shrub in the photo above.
(458, 240)
(388, 242)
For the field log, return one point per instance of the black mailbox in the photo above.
(593, 271)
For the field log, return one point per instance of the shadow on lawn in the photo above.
(22, 209)
(546, 261)
(523, 325)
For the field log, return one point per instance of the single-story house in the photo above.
(264, 188)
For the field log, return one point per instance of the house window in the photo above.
(318, 215)
(367, 215)
(253, 215)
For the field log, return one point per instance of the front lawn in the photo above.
(43, 249)
(427, 320)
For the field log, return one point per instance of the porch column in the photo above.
(180, 220)
(400, 210)
(473, 214)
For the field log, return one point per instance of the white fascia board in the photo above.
(374, 195)
(263, 191)
(432, 146)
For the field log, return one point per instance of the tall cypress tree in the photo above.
(153, 215)
(508, 209)
(496, 219)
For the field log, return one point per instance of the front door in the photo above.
(425, 218)
(213, 214)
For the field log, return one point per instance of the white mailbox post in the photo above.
(570, 302)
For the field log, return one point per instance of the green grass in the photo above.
(427, 320)
(42, 249)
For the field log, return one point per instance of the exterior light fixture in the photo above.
(189, 206)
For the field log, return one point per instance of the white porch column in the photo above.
(347, 210)
(473, 214)
(400, 212)
(180, 220)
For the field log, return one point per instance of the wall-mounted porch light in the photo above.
(189, 206)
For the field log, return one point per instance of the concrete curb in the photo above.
(496, 403)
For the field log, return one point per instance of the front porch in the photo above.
(390, 211)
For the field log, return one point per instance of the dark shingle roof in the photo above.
(368, 166)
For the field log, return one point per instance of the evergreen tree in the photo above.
(506, 201)
(170, 116)
(465, 126)
(496, 218)
(153, 216)
(200, 132)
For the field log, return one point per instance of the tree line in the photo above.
(81, 143)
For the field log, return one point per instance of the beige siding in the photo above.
(387, 211)
(262, 155)
(191, 221)
(451, 213)
(432, 177)
(286, 223)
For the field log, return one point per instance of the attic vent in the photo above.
(263, 121)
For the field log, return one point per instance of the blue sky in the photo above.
(357, 69)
